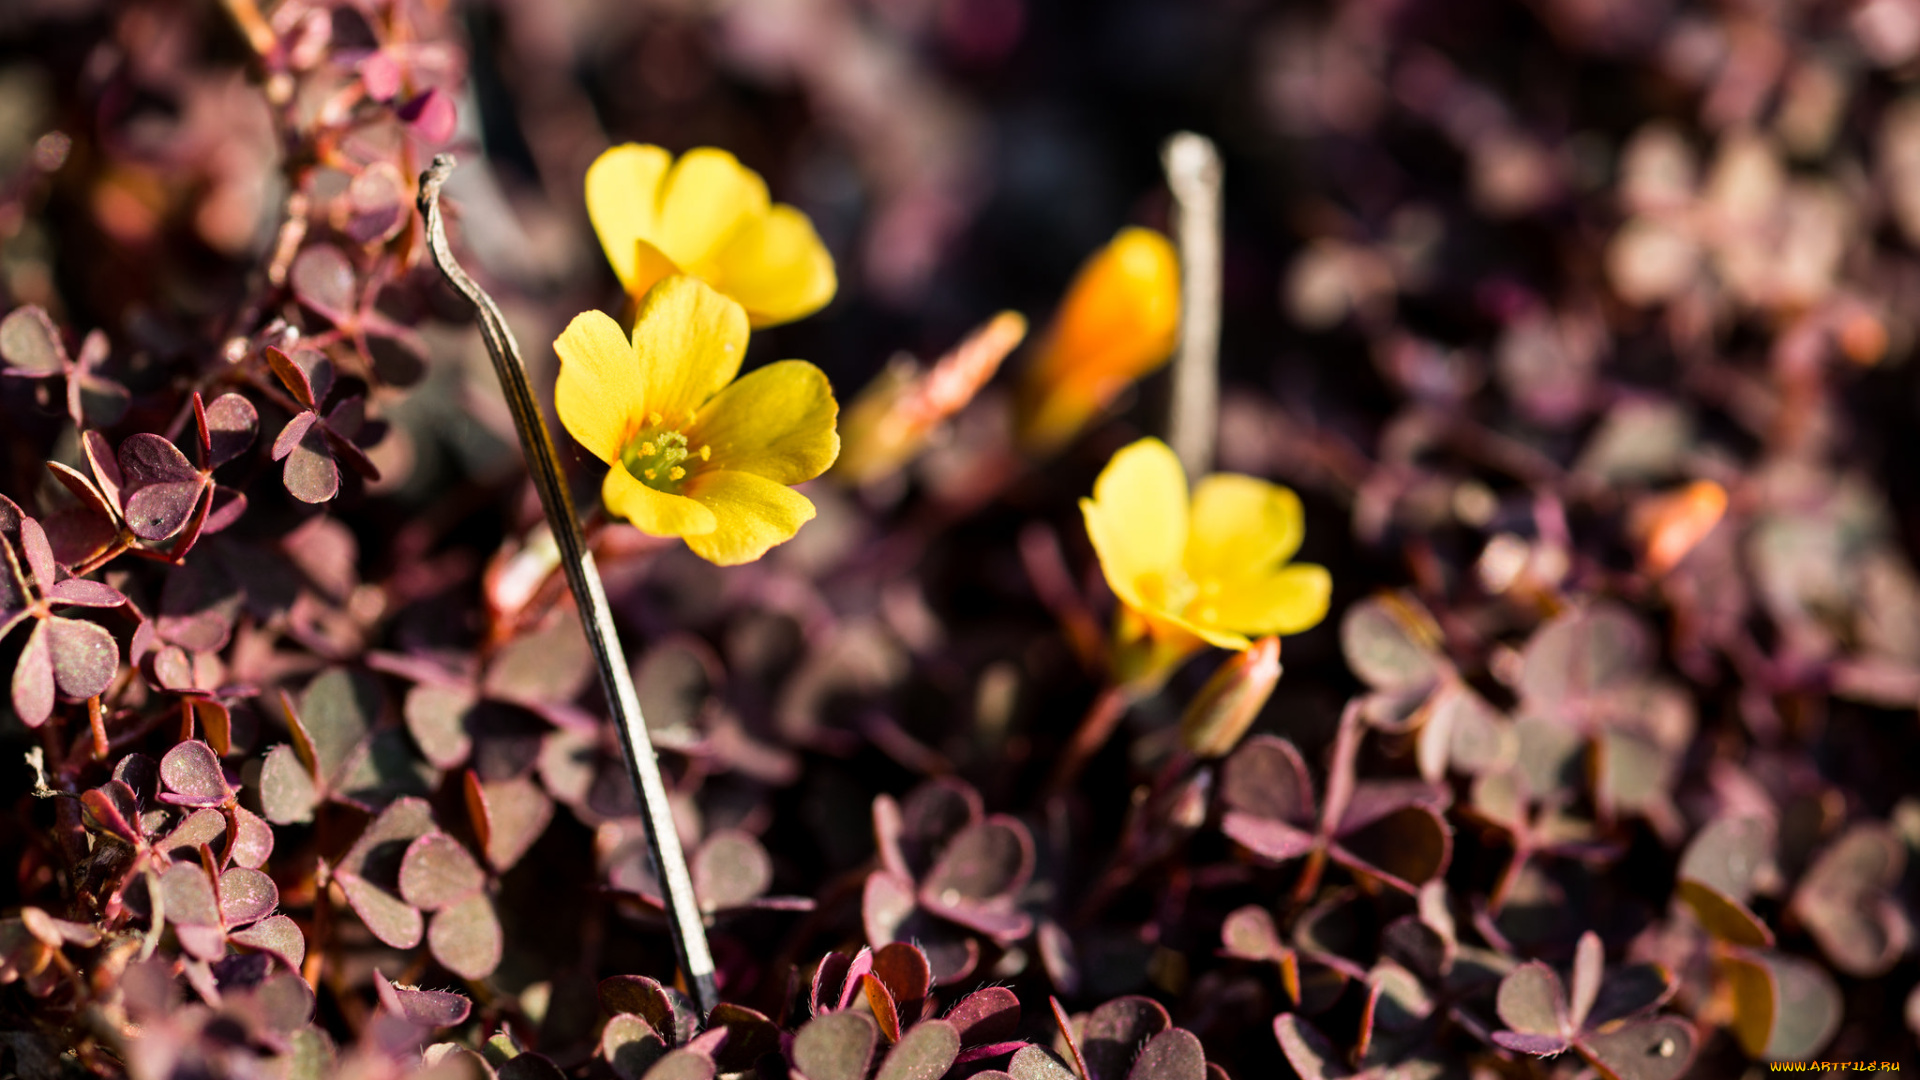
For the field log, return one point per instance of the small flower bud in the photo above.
(1672, 525)
(1224, 708)
(899, 412)
(1119, 321)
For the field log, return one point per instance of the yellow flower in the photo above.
(709, 216)
(1119, 321)
(1213, 570)
(696, 454)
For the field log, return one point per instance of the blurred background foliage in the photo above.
(1582, 327)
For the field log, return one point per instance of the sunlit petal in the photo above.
(689, 340)
(709, 196)
(1287, 602)
(623, 201)
(649, 267)
(598, 392)
(655, 513)
(1242, 526)
(751, 515)
(1137, 520)
(775, 266)
(777, 422)
(1166, 624)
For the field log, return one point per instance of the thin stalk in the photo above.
(1096, 727)
(98, 725)
(1193, 174)
(683, 911)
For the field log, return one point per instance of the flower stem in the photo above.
(683, 911)
(1095, 729)
(99, 727)
(115, 547)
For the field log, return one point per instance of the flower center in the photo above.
(1209, 590)
(658, 456)
(1171, 590)
(1177, 592)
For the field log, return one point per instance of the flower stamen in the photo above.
(656, 457)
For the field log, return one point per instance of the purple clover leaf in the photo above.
(457, 716)
(1389, 831)
(1128, 1038)
(325, 282)
(337, 742)
(507, 816)
(1533, 826)
(665, 1010)
(63, 656)
(1604, 1020)
(948, 872)
(31, 347)
(311, 442)
(1846, 899)
(147, 491)
(369, 873)
(731, 872)
(893, 982)
(407, 881)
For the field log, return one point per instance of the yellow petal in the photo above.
(1170, 627)
(709, 196)
(751, 513)
(1287, 602)
(689, 340)
(599, 389)
(649, 267)
(655, 513)
(1241, 526)
(623, 201)
(777, 422)
(776, 267)
(1137, 520)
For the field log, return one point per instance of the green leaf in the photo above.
(630, 1046)
(837, 1046)
(437, 871)
(925, 1052)
(466, 937)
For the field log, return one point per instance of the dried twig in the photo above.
(683, 911)
(1193, 174)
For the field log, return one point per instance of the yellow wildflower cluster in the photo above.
(697, 454)
(694, 452)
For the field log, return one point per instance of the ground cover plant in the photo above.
(1455, 617)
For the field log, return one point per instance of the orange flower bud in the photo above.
(1224, 708)
(1672, 525)
(1119, 321)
